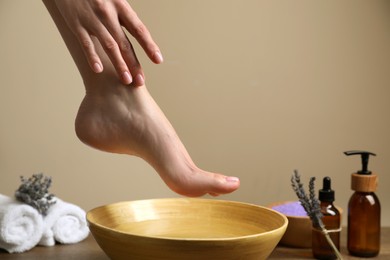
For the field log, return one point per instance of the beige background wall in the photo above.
(254, 88)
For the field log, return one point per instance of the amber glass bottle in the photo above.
(331, 219)
(364, 227)
(364, 211)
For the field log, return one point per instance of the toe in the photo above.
(223, 184)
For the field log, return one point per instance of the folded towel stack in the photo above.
(22, 227)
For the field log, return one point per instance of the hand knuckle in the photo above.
(101, 8)
(120, 4)
(139, 30)
(125, 46)
(110, 45)
(86, 43)
(98, 4)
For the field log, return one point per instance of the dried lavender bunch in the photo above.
(312, 207)
(34, 191)
(309, 203)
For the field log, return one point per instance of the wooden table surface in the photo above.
(89, 250)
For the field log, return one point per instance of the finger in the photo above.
(126, 50)
(135, 67)
(89, 50)
(139, 31)
(130, 58)
(111, 47)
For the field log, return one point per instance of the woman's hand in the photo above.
(105, 19)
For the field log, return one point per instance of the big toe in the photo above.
(201, 183)
(223, 184)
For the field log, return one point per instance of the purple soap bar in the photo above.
(291, 209)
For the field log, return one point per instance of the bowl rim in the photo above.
(252, 236)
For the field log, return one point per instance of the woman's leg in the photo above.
(125, 119)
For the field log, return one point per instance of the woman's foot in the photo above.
(123, 119)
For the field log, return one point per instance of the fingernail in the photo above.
(232, 179)
(140, 80)
(126, 77)
(158, 57)
(97, 67)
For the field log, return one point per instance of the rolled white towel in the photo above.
(65, 223)
(21, 225)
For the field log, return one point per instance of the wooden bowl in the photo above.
(298, 233)
(186, 228)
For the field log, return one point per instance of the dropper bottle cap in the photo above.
(326, 194)
(363, 180)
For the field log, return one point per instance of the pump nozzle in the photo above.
(365, 156)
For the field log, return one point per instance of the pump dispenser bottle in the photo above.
(331, 219)
(364, 211)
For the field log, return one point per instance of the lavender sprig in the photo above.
(309, 203)
(34, 191)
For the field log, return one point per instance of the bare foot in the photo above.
(125, 119)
